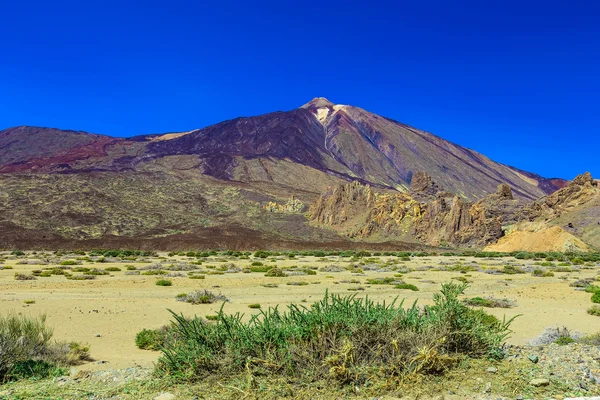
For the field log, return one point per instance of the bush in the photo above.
(23, 277)
(27, 349)
(564, 340)
(202, 297)
(490, 302)
(265, 268)
(596, 298)
(255, 305)
(541, 273)
(555, 335)
(407, 286)
(112, 269)
(68, 262)
(382, 281)
(594, 310)
(512, 270)
(347, 339)
(163, 282)
(592, 288)
(275, 272)
(150, 339)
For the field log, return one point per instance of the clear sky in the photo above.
(516, 81)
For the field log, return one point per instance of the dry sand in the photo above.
(116, 307)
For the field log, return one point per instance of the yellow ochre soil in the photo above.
(117, 306)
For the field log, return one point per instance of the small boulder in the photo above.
(534, 359)
(539, 382)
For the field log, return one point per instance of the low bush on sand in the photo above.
(594, 310)
(201, 297)
(27, 349)
(344, 338)
(406, 286)
(490, 302)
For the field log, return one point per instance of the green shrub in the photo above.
(255, 305)
(512, 270)
(382, 281)
(154, 272)
(594, 310)
(27, 349)
(68, 262)
(197, 277)
(406, 286)
(564, 340)
(592, 288)
(335, 338)
(150, 339)
(297, 283)
(596, 298)
(112, 269)
(540, 273)
(262, 268)
(275, 272)
(490, 302)
(202, 297)
(163, 282)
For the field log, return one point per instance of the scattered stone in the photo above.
(492, 370)
(97, 335)
(165, 396)
(534, 359)
(488, 387)
(539, 382)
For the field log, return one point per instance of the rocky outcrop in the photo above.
(292, 206)
(358, 211)
(582, 190)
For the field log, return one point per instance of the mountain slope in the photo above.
(230, 177)
(343, 141)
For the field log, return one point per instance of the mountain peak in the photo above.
(318, 102)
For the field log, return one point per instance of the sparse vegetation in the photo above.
(163, 282)
(275, 272)
(541, 273)
(27, 349)
(202, 297)
(490, 302)
(594, 310)
(406, 286)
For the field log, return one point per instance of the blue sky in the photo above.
(516, 81)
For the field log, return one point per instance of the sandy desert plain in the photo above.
(106, 311)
